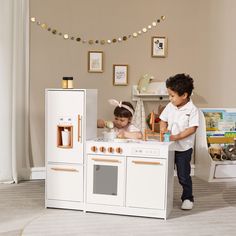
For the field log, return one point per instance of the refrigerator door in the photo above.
(65, 126)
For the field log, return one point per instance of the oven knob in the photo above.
(119, 150)
(110, 149)
(94, 149)
(102, 149)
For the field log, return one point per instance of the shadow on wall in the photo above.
(198, 99)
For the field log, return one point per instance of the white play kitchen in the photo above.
(130, 177)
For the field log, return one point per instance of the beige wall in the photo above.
(201, 42)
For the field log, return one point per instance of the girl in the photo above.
(123, 115)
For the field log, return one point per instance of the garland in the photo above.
(66, 36)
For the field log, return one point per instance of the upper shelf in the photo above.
(151, 96)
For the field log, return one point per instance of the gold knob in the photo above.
(119, 150)
(93, 148)
(110, 149)
(102, 149)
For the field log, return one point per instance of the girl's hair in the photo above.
(123, 112)
(180, 83)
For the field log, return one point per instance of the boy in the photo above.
(181, 117)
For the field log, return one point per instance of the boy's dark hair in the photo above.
(180, 83)
(123, 112)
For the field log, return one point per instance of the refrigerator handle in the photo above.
(79, 128)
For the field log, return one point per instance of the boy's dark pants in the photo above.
(182, 162)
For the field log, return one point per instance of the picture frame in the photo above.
(159, 46)
(120, 75)
(95, 61)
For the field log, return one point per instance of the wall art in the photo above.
(95, 61)
(159, 46)
(120, 74)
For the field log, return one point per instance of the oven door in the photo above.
(105, 179)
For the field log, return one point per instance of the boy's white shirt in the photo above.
(178, 120)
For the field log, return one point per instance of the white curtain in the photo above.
(14, 90)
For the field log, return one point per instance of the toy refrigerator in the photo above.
(70, 119)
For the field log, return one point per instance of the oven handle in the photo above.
(147, 163)
(64, 169)
(105, 160)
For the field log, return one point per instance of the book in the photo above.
(212, 117)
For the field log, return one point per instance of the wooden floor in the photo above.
(22, 213)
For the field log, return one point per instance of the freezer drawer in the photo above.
(64, 182)
(146, 183)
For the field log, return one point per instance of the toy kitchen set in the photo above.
(83, 172)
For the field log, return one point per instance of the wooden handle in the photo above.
(64, 169)
(147, 163)
(79, 121)
(152, 120)
(105, 160)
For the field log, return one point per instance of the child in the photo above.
(181, 118)
(122, 123)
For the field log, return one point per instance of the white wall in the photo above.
(200, 35)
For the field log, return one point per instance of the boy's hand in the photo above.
(173, 137)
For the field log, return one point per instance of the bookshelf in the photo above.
(205, 167)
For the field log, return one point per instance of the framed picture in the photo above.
(120, 74)
(95, 61)
(159, 46)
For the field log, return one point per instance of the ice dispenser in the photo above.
(64, 134)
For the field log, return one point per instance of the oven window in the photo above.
(105, 179)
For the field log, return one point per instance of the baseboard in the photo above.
(37, 173)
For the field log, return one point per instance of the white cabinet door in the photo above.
(146, 183)
(65, 111)
(64, 182)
